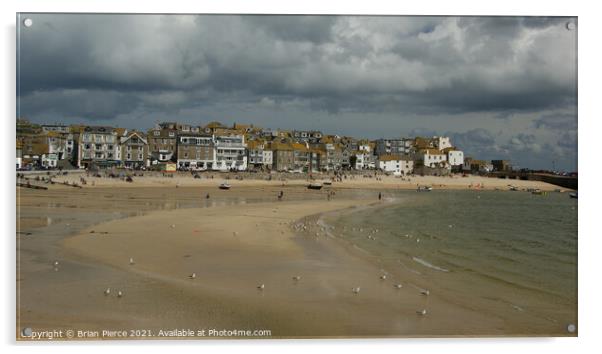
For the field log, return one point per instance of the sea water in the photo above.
(497, 251)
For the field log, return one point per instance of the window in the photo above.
(172, 134)
(129, 148)
(129, 156)
(139, 156)
(98, 147)
(87, 147)
(110, 147)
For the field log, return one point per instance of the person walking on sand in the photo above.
(380, 196)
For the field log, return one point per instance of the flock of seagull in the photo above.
(300, 226)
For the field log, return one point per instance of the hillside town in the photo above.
(171, 146)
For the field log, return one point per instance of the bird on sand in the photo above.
(398, 286)
(425, 292)
(132, 261)
(356, 290)
(383, 277)
(108, 291)
(421, 312)
(192, 276)
(297, 278)
(56, 263)
(261, 287)
(119, 293)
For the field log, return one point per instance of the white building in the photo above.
(364, 161)
(395, 164)
(442, 142)
(231, 153)
(49, 160)
(98, 145)
(455, 157)
(432, 158)
(268, 157)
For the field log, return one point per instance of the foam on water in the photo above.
(428, 265)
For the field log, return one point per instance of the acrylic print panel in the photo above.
(237, 176)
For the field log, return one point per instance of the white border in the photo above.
(589, 140)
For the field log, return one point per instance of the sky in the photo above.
(500, 87)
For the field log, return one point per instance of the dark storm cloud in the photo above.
(557, 121)
(108, 66)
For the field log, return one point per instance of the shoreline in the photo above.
(352, 182)
(229, 266)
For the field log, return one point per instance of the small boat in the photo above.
(573, 195)
(315, 186)
(538, 192)
(327, 183)
(225, 185)
(513, 188)
(424, 189)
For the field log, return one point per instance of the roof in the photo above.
(213, 125)
(432, 151)
(99, 129)
(393, 157)
(281, 146)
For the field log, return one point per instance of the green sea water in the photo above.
(510, 253)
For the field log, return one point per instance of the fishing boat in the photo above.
(225, 185)
(315, 186)
(327, 183)
(538, 192)
(424, 188)
(573, 195)
(513, 188)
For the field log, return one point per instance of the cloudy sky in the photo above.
(500, 87)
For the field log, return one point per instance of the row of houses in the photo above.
(238, 147)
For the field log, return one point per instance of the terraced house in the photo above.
(231, 153)
(162, 141)
(99, 146)
(134, 150)
(196, 152)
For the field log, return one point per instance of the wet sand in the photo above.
(233, 241)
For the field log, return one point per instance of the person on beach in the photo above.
(380, 196)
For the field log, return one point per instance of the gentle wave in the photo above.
(428, 265)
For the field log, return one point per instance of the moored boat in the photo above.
(573, 195)
(225, 185)
(424, 188)
(314, 186)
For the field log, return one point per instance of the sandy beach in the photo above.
(233, 242)
(367, 181)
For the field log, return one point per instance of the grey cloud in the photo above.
(110, 66)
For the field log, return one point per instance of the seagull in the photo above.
(56, 263)
(261, 287)
(192, 276)
(297, 278)
(173, 226)
(421, 312)
(398, 286)
(425, 292)
(383, 277)
(132, 261)
(235, 233)
(356, 290)
(108, 291)
(119, 293)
